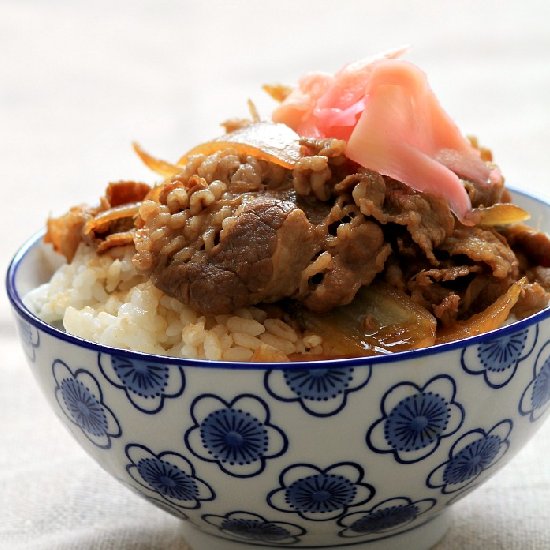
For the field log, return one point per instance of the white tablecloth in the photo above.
(80, 80)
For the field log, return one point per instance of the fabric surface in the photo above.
(80, 80)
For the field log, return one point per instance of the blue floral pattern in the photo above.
(250, 527)
(471, 455)
(236, 435)
(320, 494)
(535, 399)
(168, 475)
(415, 419)
(498, 359)
(389, 515)
(148, 495)
(146, 383)
(319, 391)
(30, 338)
(80, 398)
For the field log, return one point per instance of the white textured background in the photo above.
(79, 80)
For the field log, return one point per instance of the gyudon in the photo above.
(357, 221)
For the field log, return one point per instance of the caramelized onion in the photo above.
(123, 192)
(380, 320)
(275, 143)
(278, 92)
(116, 239)
(64, 232)
(499, 214)
(490, 319)
(101, 222)
(161, 167)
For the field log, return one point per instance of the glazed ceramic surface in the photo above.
(303, 454)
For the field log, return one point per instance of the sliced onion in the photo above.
(278, 92)
(380, 320)
(499, 214)
(490, 319)
(275, 143)
(65, 232)
(101, 222)
(123, 192)
(116, 239)
(159, 166)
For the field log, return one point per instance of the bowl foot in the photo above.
(422, 537)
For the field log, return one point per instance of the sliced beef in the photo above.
(107, 225)
(65, 232)
(270, 249)
(354, 251)
(446, 274)
(447, 310)
(486, 195)
(428, 219)
(393, 274)
(443, 302)
(317, 212)
(354, 258)
(540, 275)
(534, 244)
(533, 298)
(428, 289)
(235, 247)
(479, 268)
(260, 258)
(484, 246)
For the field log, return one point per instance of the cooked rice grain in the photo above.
(105, 300)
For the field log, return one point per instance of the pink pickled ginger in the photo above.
(393, 124)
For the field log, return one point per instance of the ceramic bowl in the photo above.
(368, 452)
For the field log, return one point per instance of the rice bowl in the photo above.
(316, 415)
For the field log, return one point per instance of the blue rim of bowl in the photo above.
(24, 312)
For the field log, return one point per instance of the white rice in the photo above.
(103, 299)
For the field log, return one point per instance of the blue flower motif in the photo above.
(471, 455)
(147, 495)
(415, 419)
(168, 475)
(389, 515)
(535, 399)
(30, 338)
(319, 391)
(236, 435)
(320, 494)
(250, 527)
(498, 359)
(146, 383)
(81, 400)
